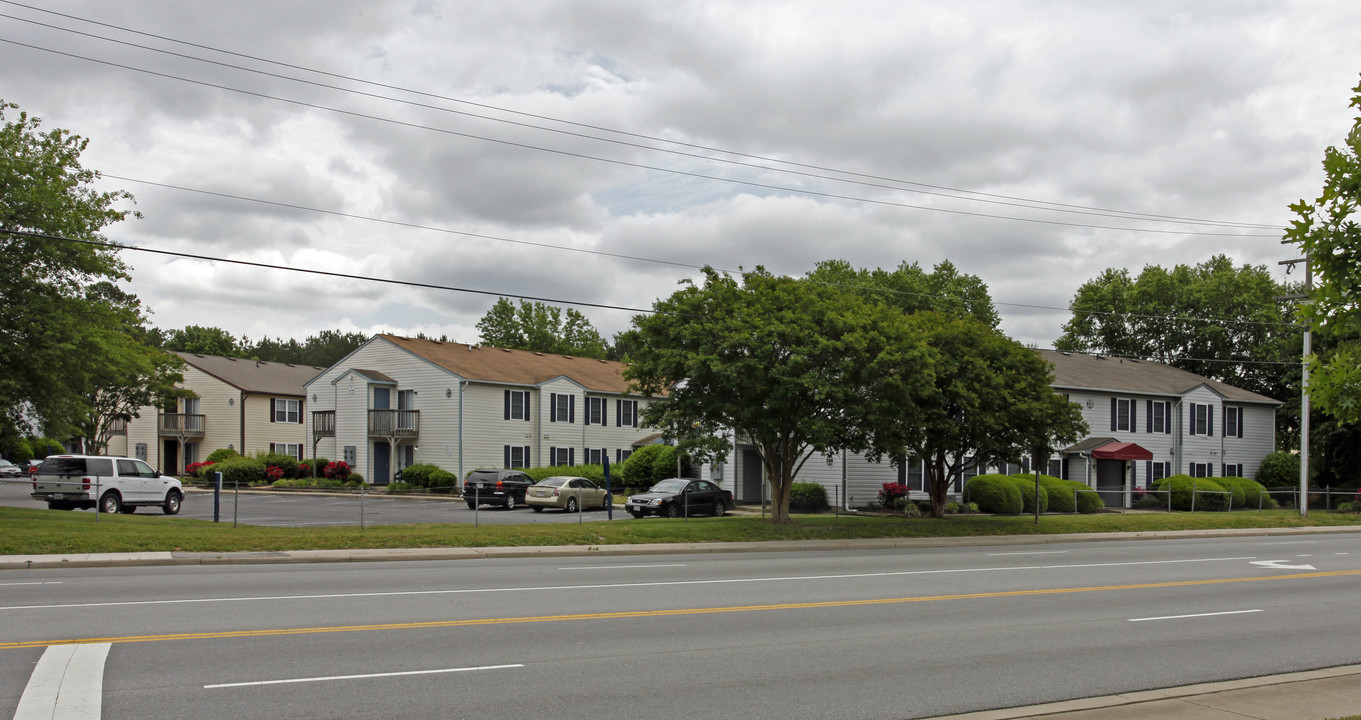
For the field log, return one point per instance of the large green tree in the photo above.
(46, 306)
(542, 328)
(793, 367)
(1327, 231)
(989, 402)
(202, 340)
(911, 289)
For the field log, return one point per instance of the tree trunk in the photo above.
(938, 488)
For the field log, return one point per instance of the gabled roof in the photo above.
(255, 376)
(515, 367)
(1080, 371)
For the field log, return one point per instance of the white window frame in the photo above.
(1123, 414)
(562, 408)
(596, 456)
(519, 405)
(595, 411)
(1205, 470)
(628, 414)
(517, 457)
(291, 449)
(1157, 416)
(561, 456)
(287, 410)
(1233, 428)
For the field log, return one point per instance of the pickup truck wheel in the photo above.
(172, 503)
(110, 503)
(128, 509)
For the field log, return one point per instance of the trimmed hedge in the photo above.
(1209, 495)
(638, 471)
(238, 471)
(221, 454)
(1063, 493)
(807, 497)
(1027, 488)
(1246, 493)
(994, 494)
(286, 463)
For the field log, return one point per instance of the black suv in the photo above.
(496, 487)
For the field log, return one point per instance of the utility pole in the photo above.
(1304, 382)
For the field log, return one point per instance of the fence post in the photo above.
(98, 500)
(580, 509)
(477, 504)
(217, 496)
(1193, 496)
(363, 490)
(236, 495)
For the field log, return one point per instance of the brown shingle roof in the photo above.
(517, 367)
(265, 378)
(1080, 371)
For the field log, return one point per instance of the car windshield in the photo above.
(6, 463)
(553, 482)
(673, 485)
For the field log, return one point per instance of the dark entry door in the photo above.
(170, 458)
(751, 475)
(382, 463)
(1110, 482)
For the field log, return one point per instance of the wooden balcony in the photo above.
(181, 425)
(323, 424)
(394, 423)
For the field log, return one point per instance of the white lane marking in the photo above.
(1291, 542)
(615, 586)
(68, 682)
(28, 583)
(361, 677)
(621, 567)
(1280, 565)
(1197, 615)
(1036, 552)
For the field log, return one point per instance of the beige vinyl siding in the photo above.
(561, 434)
(487, 430)
(260, 431)
(1201, 448)
(220, 405)
(1259, 438)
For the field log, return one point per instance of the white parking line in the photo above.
(1032, 552)
(1197, 615)
(68, 682)
(28, 583)
(361, 677)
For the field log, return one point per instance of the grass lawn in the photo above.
(31, 532)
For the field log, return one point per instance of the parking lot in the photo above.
(282, 508)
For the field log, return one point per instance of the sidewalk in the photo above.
(1312, 695)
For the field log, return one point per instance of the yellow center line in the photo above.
(656, 613)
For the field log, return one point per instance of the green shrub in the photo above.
(1026, 485)
(286, 463)
(429, 476)
(1246, 493)
(1280, 471)
(20, 452)
(994, 494)
(354, 479)
(1149, 500)
(398, 488)
(1057, 491)
(638, 469)
(1209, 495)
(240, 471)
(221, 454)
(807, 497)
(664, 465)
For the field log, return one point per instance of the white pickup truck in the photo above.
(117, 484)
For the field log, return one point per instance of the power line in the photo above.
(624, 163)
(639, 258)
(328, 273)
(1036, 203)
(1003, 200)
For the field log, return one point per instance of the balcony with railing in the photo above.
(182, 425)
(394, 423)
(323, 423)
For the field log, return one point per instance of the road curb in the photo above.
(153, 559)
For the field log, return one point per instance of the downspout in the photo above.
(461, 385)
(1180, 435)
(585, 417)
(842, 502)
(242, 451)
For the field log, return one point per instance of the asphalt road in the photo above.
(301, 509)
(883, 634)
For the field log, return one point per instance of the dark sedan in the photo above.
(678, 497)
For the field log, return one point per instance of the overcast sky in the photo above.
(598, 152)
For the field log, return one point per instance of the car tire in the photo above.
(673, 510)
(606, 503)
(571, 505)
(510, 503)
(537, 508)
(472, 506)
(720, 508)
(173, 500)
(637, 514)
(110, 503)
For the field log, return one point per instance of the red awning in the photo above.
(1121, 451)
